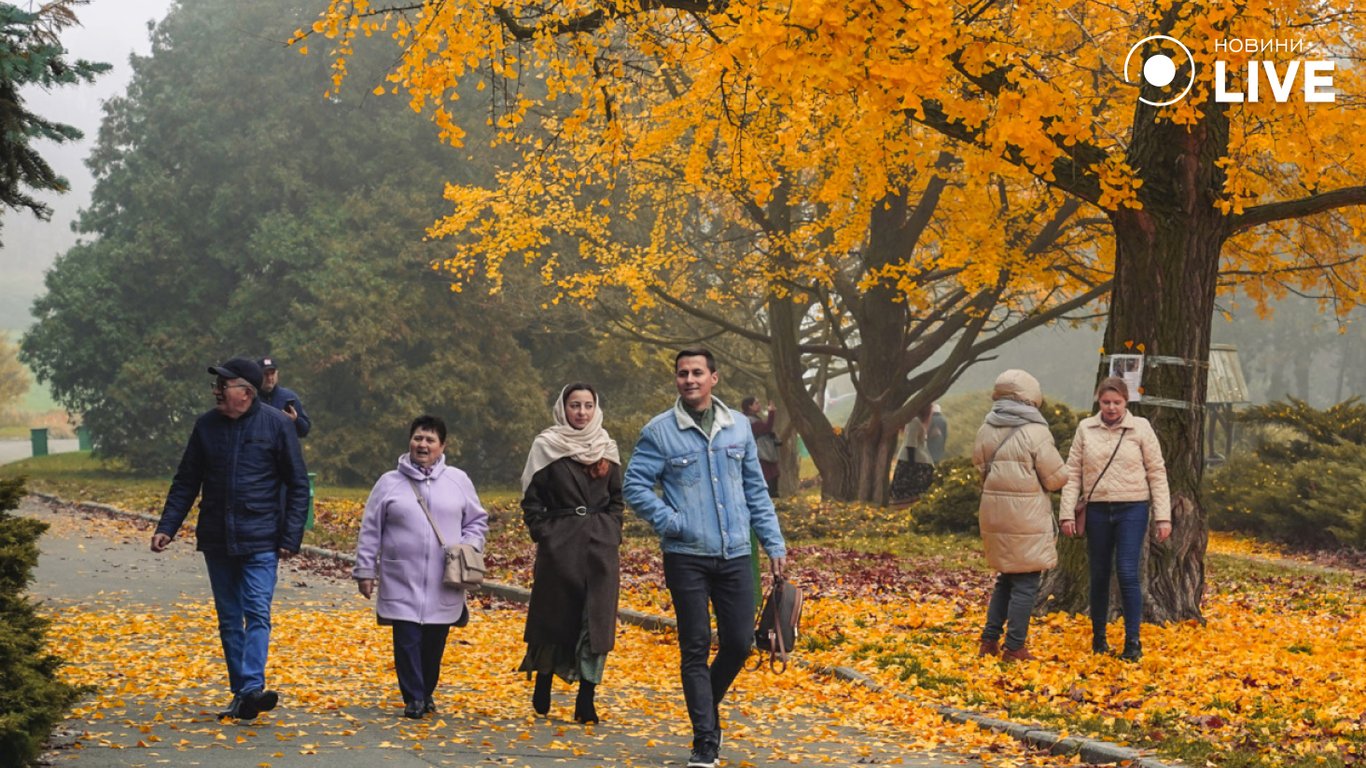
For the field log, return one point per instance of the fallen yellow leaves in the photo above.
(174, 659)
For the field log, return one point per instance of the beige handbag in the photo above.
(464, 562)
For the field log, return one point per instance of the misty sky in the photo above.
(110, 31)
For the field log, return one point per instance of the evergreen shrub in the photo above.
(32, 698)
(1303, 485)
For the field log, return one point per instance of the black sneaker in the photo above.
(256, 702)
(704, 754)
(234, 709)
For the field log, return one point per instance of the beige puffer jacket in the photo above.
(1137, 474)
(1016, 513)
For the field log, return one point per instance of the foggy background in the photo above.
(1298, 352)
(109, 32)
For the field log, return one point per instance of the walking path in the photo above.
(140, 630)
(14, 450)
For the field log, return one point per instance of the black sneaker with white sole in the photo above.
(704, 754)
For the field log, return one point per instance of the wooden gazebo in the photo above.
(1226, 388)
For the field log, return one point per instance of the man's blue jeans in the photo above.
(729, 586)
(243, 587)
(1114, 535)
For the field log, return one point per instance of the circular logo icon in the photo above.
(1162, 63)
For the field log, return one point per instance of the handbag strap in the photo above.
(423, 502)
(1107, 465)
(986, 471)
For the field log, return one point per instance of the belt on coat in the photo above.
(579, 511)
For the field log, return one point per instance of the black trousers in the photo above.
(728, 585)
(418, 649)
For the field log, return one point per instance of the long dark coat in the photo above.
(578, 565)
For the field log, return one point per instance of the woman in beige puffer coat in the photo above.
(1020, 465)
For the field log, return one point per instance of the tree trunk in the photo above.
(1166, 270)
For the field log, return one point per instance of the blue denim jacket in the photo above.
(714, 490)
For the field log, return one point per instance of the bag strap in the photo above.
(1107, 465)
(423, 502)
(986, 471)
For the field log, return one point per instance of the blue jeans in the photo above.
(1115, 532)
(729, 586)
(243, 587)
(1012, 602)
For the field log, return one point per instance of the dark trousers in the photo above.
(1011, 604)
(728, 585)
(417, 658)
(1114, 536)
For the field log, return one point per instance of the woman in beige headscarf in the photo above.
(572, 506)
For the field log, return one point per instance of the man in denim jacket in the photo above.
(702, 454)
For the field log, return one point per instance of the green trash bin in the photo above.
(308, 525)
(39, 438)
(83, 437)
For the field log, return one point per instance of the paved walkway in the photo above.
(99, 582)
(14, 450)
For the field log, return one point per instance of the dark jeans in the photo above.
(729, 587)
(1011, 604)
(243, 587)
(417, 658)
(1115, 533)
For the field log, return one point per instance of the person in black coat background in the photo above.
(572, 507)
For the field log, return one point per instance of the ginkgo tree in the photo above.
(871, 263)
(815, 119)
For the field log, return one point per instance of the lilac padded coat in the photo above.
(398, 547)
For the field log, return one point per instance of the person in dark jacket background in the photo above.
(281, 398)
(572, 506)
(245, 459)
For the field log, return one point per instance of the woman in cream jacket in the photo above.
(1020, 466)
(1117, 468)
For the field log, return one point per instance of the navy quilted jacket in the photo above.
(254, 485)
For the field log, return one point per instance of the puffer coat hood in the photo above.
(1016, 384)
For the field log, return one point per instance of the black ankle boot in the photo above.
(1099, 645)
(540, 698)
(1133, 651)
(584, 711)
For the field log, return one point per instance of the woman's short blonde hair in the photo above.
(1113, 384)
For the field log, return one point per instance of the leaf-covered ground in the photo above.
(156, 676)
(1277, 675)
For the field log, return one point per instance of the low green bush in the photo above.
(1303, 484)
(32, 698)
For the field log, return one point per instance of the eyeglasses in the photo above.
(219, 386)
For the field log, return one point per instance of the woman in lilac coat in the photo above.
(399, 549)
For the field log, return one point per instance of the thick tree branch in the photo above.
(1295, 209)
(595, 19)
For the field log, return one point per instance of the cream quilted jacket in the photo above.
(1137, 474)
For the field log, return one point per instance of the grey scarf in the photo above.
(1012, 413)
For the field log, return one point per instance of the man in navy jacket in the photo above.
(245, 459)
(282, 398)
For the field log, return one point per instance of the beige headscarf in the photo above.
(586, 446)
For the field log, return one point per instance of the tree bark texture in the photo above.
(1166, 272)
